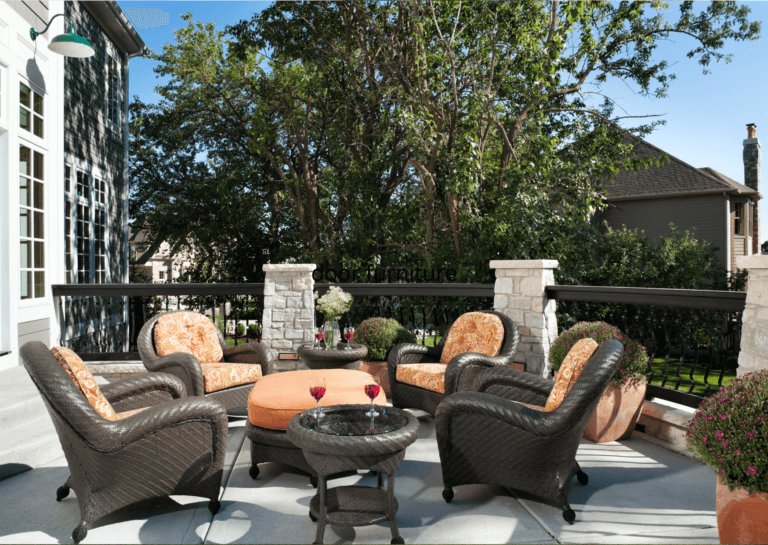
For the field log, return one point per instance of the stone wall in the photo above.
(520, 293)
(754, 332)
(289, 315)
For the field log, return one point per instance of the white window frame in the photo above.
(32, 301)
(30, 134)
(112, 54)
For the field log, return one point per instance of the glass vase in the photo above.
(331, 334)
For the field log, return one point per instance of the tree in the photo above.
(430, 132)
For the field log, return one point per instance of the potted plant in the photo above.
(729, 432)
(380, 335)
(621, 404)
(333, 304)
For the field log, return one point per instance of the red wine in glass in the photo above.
(372, 389)
(317, 391)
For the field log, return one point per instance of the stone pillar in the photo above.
(520, 293)
(752, 168)
(289, 310)
(754, 331)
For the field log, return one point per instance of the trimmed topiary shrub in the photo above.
(380, 335)
(240, 330)
(253, 331)
(635, 359)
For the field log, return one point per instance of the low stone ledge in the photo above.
(665, 424)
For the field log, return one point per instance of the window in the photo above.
(68, 268)
(30, 110)
(82, 184)
(100, 244)
(86, 210)
(738, 216)
(113, 92)
(161, 275)
(83, 221)
(31, 223)
(99, 191)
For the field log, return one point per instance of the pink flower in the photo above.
(752, 470)
(725, 444)
(737, 452)
(723, 416)
(751, 435)
(705, 439)
(718, 458)
(719, 434)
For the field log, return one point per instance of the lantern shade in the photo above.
(71, 45)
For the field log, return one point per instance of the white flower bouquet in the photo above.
(334, 303)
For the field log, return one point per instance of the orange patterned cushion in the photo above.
(570, 370)
(126, 414)
(474, 332)
(219, 376)
(84, 380)
(430, 376)
(188, 332)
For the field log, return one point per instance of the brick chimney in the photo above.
(752, 165)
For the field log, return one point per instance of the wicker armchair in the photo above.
(188, 369)
(460, 373)
(117, 463)
(484, 438)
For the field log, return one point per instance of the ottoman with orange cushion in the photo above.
(277, 398)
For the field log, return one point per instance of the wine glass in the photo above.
(372, 389)
(348, 334)
(317, 391)
(318, 337)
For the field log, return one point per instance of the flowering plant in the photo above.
(379, 335)
(730, 432)
(635, 360)
(334, 303)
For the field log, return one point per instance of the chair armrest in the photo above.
(515, 385)
(411, 353)
(175, 414)
(184, 366)
(251, 347)
(461, 363)
(514, 414)
(132, 389)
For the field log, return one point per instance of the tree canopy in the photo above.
(423, 133)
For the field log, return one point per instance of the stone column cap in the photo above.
(524, 264)
(289, 267)
(752, 262)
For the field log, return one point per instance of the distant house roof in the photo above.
(674, 178)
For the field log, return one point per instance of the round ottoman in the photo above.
(275, 399)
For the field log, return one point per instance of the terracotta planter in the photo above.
(617, 413)
(741, 517)
(378, 369)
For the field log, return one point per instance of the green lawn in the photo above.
(431, 341)
(685, 370)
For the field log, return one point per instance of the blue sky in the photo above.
(706, 115)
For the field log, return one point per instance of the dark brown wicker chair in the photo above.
(117, 463)
(484, 438)
(460, 373)
(187, 368)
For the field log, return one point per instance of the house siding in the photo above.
(34, 12)
(88, 138)
(705, 214)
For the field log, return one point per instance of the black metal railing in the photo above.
(692, 336)
(80, 309)
(427, 310)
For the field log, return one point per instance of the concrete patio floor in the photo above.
(638, 492)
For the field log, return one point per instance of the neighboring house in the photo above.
(721, 210)
(159, 262)
(64, 190)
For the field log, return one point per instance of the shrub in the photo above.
(253, 331)
(635, 360)
(379, 335)
(730, 432)
(240, 330)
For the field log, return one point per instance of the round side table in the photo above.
(319, 358)
(344, 438)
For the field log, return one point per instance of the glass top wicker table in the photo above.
(343, 438)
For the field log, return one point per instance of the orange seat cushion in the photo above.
(474, 332)
(430, 376)
(218, 376)
(83, 379)
(126, 414)
(188, 332)
(275, 399)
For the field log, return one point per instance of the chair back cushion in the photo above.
(479, 332)
(84, 380)
(570, 370)
(188, 332)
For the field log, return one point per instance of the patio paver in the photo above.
(638, 492)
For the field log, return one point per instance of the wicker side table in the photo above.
(346, 439)
(319, 358)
